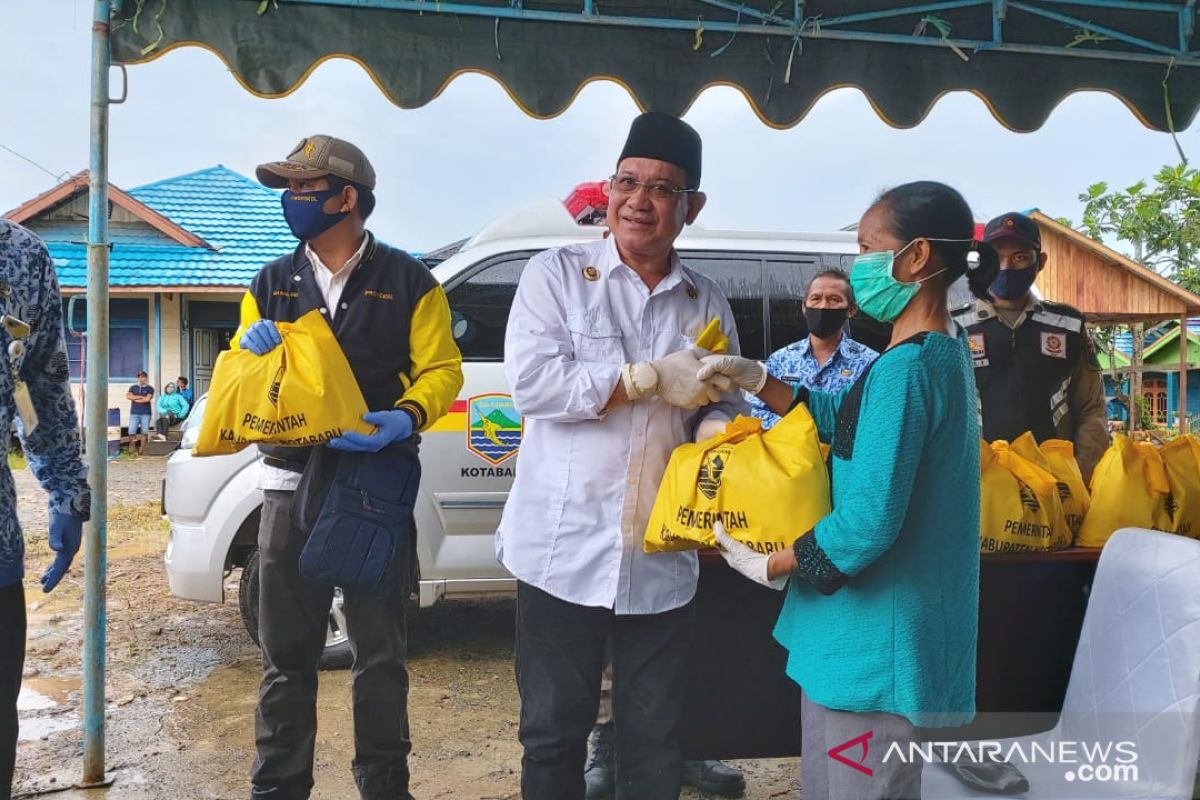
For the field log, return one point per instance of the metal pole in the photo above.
(1183, 373)
(96, 414)
(158, 359)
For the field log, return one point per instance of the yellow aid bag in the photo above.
(1181, 460)
(768, 488)
(301, 393)
(1057, 456)
(1020, 508)
(1129, 490)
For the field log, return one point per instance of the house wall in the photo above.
(1193, 392)
(1094, 285)
(166, 354)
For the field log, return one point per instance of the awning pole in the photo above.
(158, 359)
(96, 411)
(1183, 373)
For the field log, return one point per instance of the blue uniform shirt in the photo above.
(796, 364)
(29, 291)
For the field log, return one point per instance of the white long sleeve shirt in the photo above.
(586, 481)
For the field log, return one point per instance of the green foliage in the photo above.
(1145, 418)
(1160, 219)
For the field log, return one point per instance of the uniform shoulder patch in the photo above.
(962, 311)
(1062, 308)
(1054, 319)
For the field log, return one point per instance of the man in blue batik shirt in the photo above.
(828, 360)
(35, 390)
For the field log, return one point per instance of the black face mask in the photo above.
(825, 322)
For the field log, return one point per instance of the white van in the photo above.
(213, 503)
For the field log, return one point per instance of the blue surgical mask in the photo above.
(1013, 284)
(305, 214)
(878, 294)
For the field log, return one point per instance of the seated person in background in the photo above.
(828, 360)
(172, 408)
(185, 392)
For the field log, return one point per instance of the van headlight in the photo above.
(191, 426)
(190, 435)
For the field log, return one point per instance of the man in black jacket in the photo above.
(392, 321)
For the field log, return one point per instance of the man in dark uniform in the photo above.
(1035, 364)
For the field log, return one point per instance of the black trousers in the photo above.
(164, 423)
(12, 664)
(293, 615)
(560, 657)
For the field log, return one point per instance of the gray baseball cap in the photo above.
(316, 157)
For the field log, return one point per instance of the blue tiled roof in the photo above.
(240, 218)
(1124, 339)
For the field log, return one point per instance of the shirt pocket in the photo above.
(595, 336)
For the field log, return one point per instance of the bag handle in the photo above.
(1023, 469)
(1153, 468)
(741, 428)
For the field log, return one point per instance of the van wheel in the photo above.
(337, 653)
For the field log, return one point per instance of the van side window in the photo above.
(740, 279)
(479, 307)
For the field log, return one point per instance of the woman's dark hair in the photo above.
(832, 274)
(932, 210)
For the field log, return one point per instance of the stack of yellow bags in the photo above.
(1033, 496)
(1140, 485)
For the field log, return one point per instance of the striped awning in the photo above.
(1020, 58)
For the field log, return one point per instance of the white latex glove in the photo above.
(746, 373)
(673, 378)
(712, 425)
(746, 560)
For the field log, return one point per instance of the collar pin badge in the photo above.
(591, 273)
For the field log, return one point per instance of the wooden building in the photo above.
(1111, 289)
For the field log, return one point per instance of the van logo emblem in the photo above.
(494, 427)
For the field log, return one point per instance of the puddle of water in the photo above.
(46, 692)
(39, 696)
(34, 728)
(32, 700)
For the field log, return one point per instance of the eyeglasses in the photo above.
(625, 184)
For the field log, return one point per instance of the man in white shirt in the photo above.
(599, 357)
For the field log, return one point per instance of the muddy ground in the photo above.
(182, 679)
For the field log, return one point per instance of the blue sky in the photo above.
(446, 169)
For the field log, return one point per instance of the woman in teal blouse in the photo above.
(882, 608)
